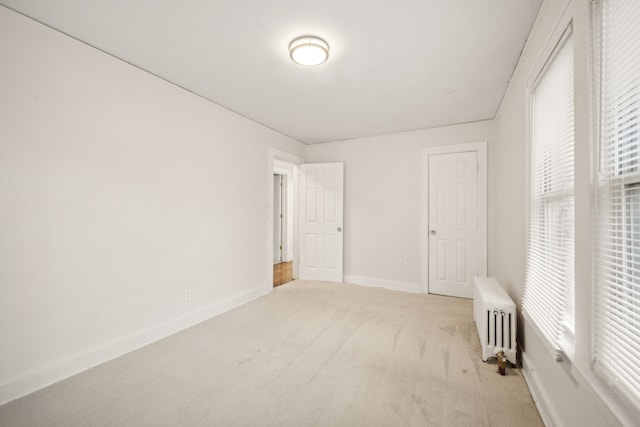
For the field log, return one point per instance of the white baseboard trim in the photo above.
(50, 373)
(381, 283)
(540, 397)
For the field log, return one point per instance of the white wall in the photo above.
(115, 195)
(382, 200)
(118, 190)
(569, 394)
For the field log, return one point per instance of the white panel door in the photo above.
(320, 213)
(453, 223)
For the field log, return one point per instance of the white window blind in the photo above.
(548, 301)
(617, 246)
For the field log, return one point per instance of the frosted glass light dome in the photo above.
(309, 50)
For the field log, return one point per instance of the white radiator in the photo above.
(495, 316)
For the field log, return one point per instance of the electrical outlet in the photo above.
(406, 260)
(187, 295)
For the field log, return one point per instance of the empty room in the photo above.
(338, 213)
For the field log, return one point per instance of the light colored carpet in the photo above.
(309, 354)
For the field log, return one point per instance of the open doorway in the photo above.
(309, 191)
(282, 256)
(282, 217)
(279, 217)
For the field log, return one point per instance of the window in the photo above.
(617, 247)
(548, 302)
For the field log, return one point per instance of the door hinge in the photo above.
(280, 247)
(280, 215)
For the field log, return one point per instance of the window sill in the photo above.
(617, 406)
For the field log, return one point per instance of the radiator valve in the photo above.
(502, 362)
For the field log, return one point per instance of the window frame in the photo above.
(564, 346)
(616, 172)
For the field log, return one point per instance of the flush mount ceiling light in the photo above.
(309, 50)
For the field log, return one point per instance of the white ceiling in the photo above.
(394, 65)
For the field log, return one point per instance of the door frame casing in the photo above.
(288, 208)
(481, 149)
(278, 223)
(273, 155)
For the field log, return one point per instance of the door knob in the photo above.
(433, 232)
(339, 228)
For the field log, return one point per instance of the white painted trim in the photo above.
(550, 47)
(50, 373)
(275, 156)
(287, 230)
(480, 148)
(289, 170)
(615, 408)
(540, 397)
(382, 283)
